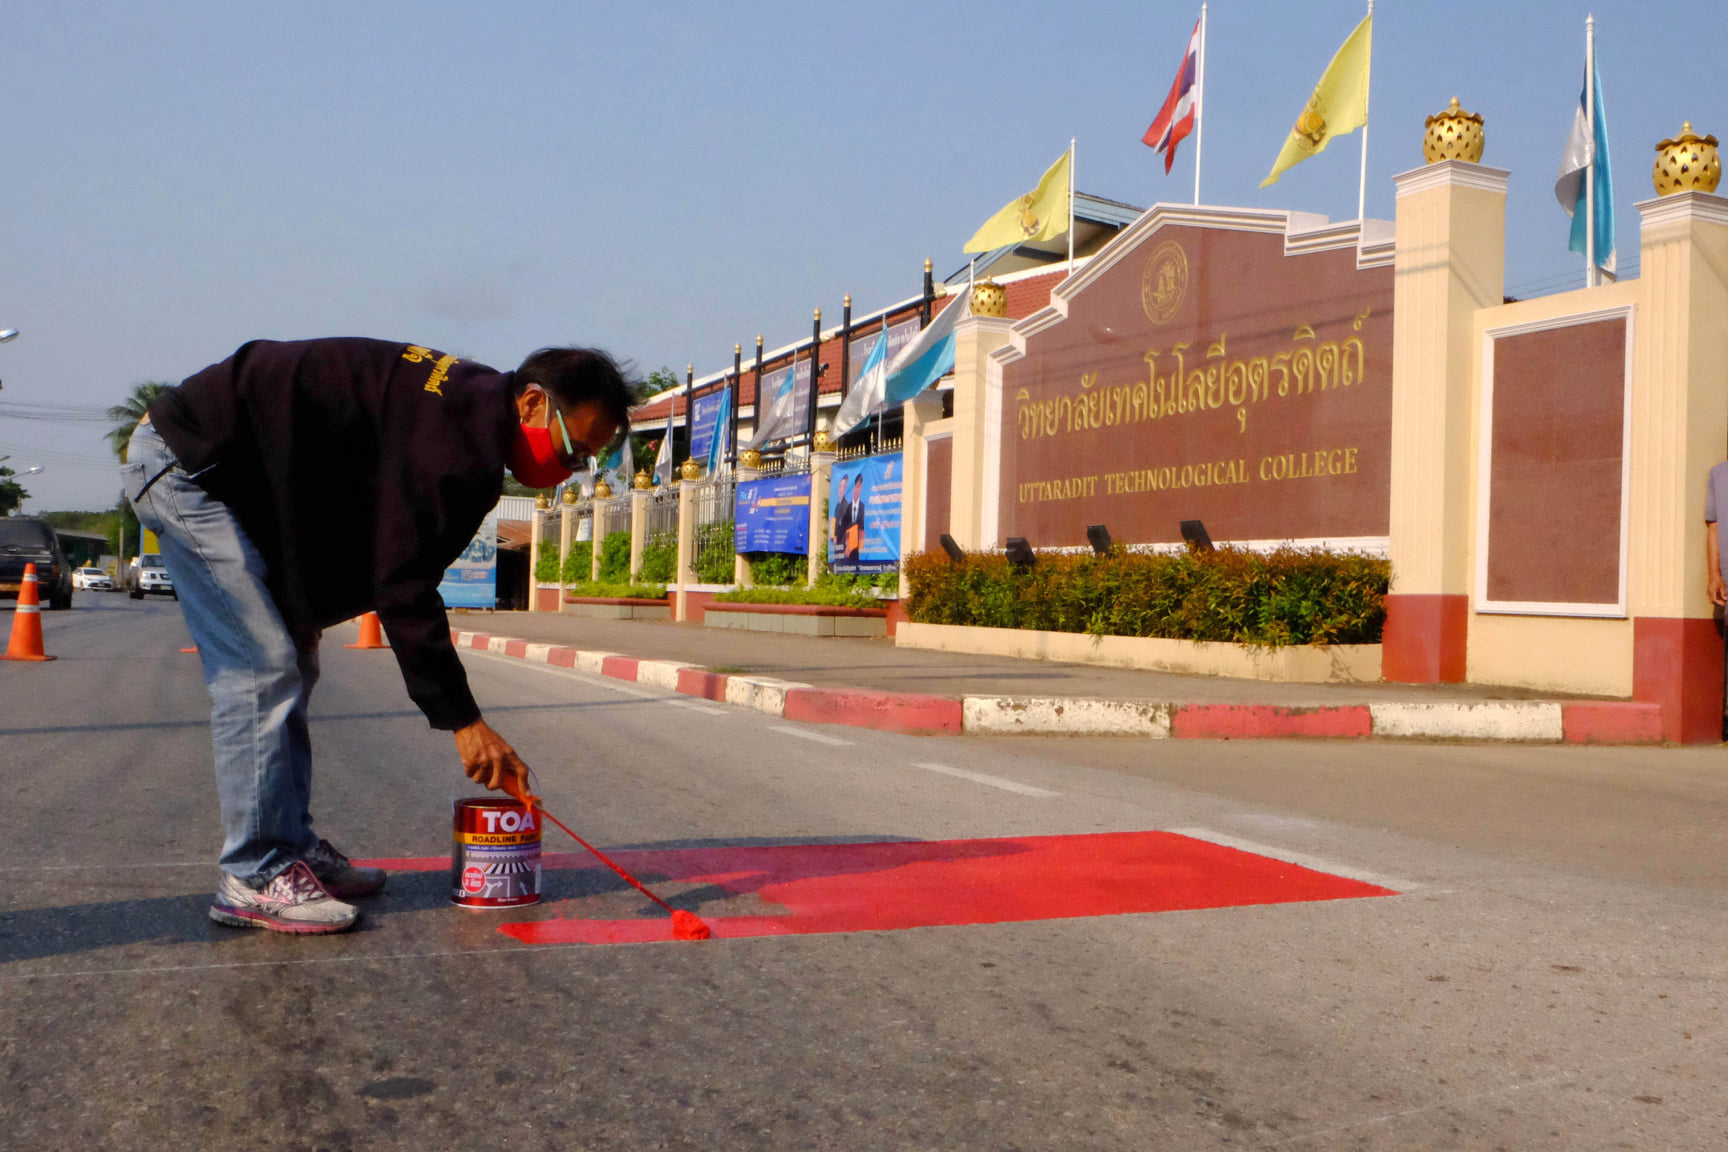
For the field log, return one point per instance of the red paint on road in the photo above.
(562, 657)
(701, 682)
(619, 667)
(921, 884)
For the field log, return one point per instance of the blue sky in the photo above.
(666, 179)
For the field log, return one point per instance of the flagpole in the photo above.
(1200, 104)
(1070, 205)
(1362, 186)
(1590, 276)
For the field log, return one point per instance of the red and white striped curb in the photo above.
(1532, 721)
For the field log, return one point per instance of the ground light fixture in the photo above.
(1194, 532)
(1020, 554)
(955, 552)
(1099, 537)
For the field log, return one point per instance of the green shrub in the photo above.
(829, 596)
(1290, 596)
(888, 581)
(579, 563)
(777, 568)
(714, 555)
(615, 558)
(546, 567)
(619, 591)
(659, 559)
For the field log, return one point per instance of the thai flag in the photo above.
(1176, 119)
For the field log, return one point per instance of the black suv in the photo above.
(26, 540)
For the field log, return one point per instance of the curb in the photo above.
(1523, 722)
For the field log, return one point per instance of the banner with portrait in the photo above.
(864, 515)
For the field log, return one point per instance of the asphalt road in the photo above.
(1550, 973)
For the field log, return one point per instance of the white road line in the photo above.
(1300, 859)
(816, 736)
(705, 709)
(992, 781)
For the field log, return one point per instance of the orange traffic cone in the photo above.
(27, 622)
(371, 633)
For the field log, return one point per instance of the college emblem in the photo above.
(1029, 222)
(1311, 127)
(1164, 283)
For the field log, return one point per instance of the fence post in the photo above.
(748, 470)
(602, 524)
(821, 466)
(536, 524)
(566, 537)
(639, 498)
(686, 541)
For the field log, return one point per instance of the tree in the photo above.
(12, 493)
(127, 415)
(656, 382)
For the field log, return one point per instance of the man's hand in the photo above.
(488, 759)
(1718, 589)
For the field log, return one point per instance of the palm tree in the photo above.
(127, 415)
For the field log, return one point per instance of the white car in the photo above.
(92, 578)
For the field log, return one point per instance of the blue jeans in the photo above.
(259, 680)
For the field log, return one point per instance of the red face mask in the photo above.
(532, 460)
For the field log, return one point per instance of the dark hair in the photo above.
(578, 375)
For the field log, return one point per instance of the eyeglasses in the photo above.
(574, 459)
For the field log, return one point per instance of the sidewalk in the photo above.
(871, 683)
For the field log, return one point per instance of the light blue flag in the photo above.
(722, 433)
(928, 358)
(867, 392)
(1584, 154)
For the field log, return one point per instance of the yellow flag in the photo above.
(1338, 107)
(1039, 215)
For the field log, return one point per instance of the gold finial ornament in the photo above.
(1453, 135)
(690, 470)
(750, 458)
(848, 300)
(643, 480)
(737, 349)
(989, 299)
(929, 265)
(818, 315)
(1687, 163)
(822, 442)
(542, 501)
(602, 490)
(569, 496)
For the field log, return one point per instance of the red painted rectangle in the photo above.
(563, 657)
(884, 711)
(829, 888)
(1265, 722)
(703, 683)
(515, 647)
(1629, 722)
(618, 667)
(479, 640)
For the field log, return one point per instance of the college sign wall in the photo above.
(1227, 372)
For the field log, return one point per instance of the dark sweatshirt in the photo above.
(361, 469)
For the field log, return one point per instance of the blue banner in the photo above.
(864, 515)
(704, 418)
(472, 581)
(773, 515)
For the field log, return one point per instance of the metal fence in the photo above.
(663, 511)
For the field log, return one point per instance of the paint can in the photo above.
(495, 862)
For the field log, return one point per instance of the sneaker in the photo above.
(293, 902)
(341, 877)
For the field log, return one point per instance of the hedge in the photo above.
(1275, 599)
(827, 593)
(579, 563)
(778, 569)
(615, 558)
(659, 559)
(643, 591)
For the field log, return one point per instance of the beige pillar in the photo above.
(922, 415)
(639, 499)
(566, 537)
(974, 339)
(1451, 261)
(821, 471)
(741, 574)
(686, 545)
(602, 525)
(1679, 431)
(536, 521)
